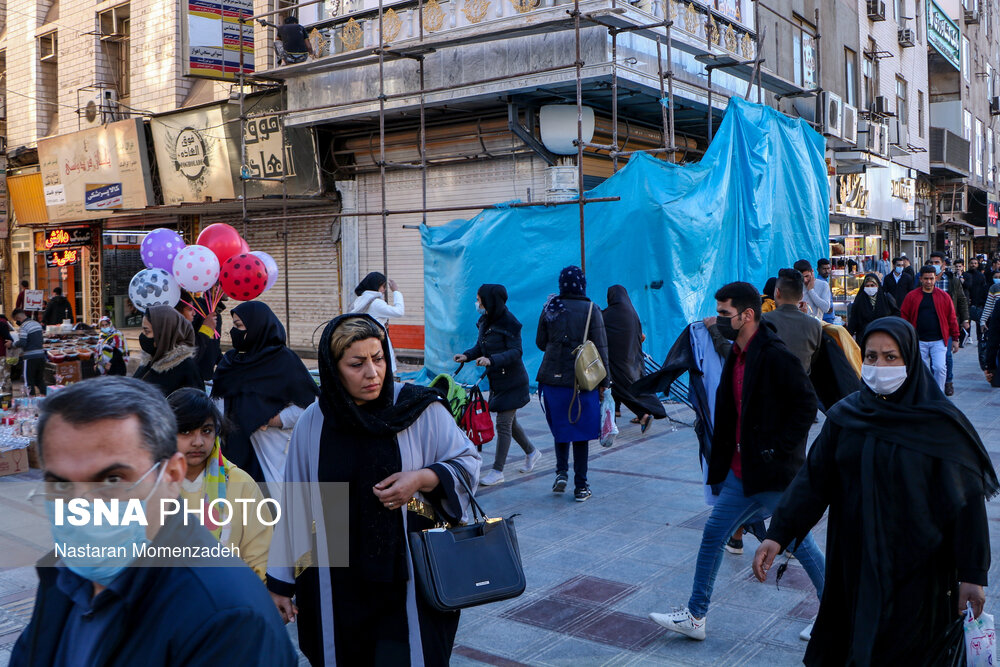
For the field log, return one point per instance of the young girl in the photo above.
(211, 476)
(112, 351)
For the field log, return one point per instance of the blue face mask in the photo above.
(480, 309)
(897, 270)
(996, 281)
(106, 330)
(937, 268)
(101, 569)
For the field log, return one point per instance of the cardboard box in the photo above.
(13, 461)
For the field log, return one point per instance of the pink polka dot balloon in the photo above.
(196, 268)
(160, 248)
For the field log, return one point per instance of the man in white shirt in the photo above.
(817, 294)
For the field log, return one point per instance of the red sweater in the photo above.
(944, 306)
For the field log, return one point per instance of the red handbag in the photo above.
(476, 421)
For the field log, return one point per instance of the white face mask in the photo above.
(871, 291)
(883, 380)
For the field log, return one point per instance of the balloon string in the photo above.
(195, 308)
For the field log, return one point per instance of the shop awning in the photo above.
(964, 225)
(27, 196)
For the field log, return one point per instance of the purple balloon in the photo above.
(160, 247)
(270, 265)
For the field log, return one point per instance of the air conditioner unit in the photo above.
(883, 147)
(971, 17)
(876, 10)
(906, 37)
(869, 135)
(995, 106)
(833, 112)
(899, 134)
(880, 106)
(850, 125)
(99, 107)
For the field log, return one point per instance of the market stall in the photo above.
(70, 354)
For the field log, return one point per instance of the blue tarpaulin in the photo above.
(756, 202)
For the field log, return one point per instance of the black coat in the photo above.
(779, 407)
(863, 313)
(564, 334)
(170, 374)
(900, 287)
(976, 288)
(57, 310)
(500, 341)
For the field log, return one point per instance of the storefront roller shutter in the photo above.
(478, 182)
(314, 276)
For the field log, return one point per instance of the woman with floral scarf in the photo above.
(211, 476)
(112, 350)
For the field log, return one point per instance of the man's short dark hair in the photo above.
(57, 291)
(291, 19)
(939, 255)
(823, 262)
(97, 399)
(927, 268)
(743, 296)
(802, 266)
(25, 284)
(18, 311)
(790, 283)
(897, 259)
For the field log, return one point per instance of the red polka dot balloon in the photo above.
(243, 277)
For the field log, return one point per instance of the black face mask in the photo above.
(147, 344)
(239, 337)
(726, 328)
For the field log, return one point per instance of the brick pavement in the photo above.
(596, 569)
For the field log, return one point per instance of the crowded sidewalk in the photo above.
(596, 569)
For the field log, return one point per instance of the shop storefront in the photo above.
(61, 258)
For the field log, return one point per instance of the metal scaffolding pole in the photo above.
(579, 133)
(381, 135)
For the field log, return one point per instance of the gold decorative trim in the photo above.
(391, 25)
(729, 35)
(434, 16)
(712, 29)
(747, 45)
(524, 6)
(320, 44)
(673, 9)
(691, 19)
(475, 10)
(352, 35)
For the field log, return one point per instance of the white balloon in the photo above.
(270, 265)
(196, 268)
(153, 287)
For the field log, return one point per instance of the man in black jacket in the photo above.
(976, 288)
(899, 283)
(59, 309)
(764, 408)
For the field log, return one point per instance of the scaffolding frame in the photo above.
(659, 31)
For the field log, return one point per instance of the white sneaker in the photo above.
(530, 460)
(681, 621)
(493, 476)
(806, 634)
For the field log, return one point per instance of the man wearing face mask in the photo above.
(949, 283)
(764, 408)
(931, 312)
(976, 289)
(115, 438)
(898, 283)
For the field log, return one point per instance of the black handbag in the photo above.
(466, 566)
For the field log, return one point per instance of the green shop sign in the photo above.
(944, 35)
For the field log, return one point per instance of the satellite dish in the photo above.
(90, 111)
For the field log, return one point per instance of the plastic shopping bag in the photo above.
(609, 429)
(980, 640)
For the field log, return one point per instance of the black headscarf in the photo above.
(621, 323)
(769, 288)
(880, 306)
(372, 282)
(358, 445)
(572, 284)
(258, 381)
(921, 463)
(494, 300)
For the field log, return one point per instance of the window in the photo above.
(966, 65)
(967, 133)
(897, 11)
(851, 77)
(989, 155)
(804, 56)
(48, 47)
(989, 81)
(978, 150)
(902, 112)
(47, 83)
(867, 78)
(920, 114)
(113, 57)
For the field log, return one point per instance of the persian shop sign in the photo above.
(944, 35)
(102, 196)
(63, 238)
(59, 258)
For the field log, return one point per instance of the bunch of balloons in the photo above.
(219, 263)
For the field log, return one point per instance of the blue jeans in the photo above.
(949, 363)
(731, 510)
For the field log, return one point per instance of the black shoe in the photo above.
(949, 389)
(560, 484)
(734, 546)
(581, 494)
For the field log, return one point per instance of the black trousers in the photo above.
(34, 375)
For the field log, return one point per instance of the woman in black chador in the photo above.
(906, 478)
(625, 358)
